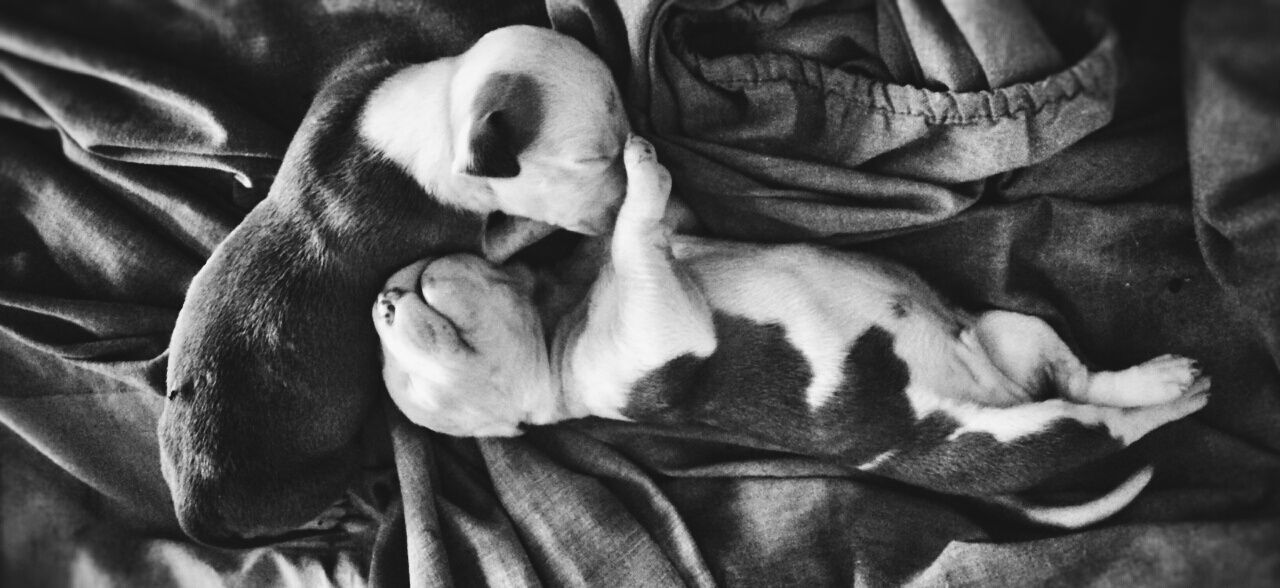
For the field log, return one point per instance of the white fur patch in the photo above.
(875, 462)
(1007, 424)
(407, 119)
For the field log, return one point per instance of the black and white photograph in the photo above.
(652, 293)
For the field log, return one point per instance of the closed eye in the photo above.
(602, 159)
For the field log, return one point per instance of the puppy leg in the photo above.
(967, 448)
(1031, 354)
(662, 311)
(644, 310)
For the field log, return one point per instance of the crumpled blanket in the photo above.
(1111, 170)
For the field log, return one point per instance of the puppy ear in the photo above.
(505, 117)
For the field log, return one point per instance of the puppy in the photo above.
(829, 353)
(273, 362)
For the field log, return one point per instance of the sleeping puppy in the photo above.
(825, 352)
(273, 363)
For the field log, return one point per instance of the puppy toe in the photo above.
(638, 150)
(1191, 403)
(1173, 370)
(648, 187)
(1200, 385)
(643, 169)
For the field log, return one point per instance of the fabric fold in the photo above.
(815, 81)
(188, 125)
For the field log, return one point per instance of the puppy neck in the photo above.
(553, 406)
(407, 118)
(555, 402)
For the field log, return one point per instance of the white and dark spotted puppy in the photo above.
(826, 352)
(273, 361)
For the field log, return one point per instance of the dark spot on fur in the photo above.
(755, 378)
(869, 413)
(508, 112)
(755, 375)
(661, 392)
(899, 306)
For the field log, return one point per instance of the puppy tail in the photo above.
(1082, 515)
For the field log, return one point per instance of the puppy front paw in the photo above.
(412, 330)
(384, 309)
(648, 186)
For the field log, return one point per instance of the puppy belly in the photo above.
(824, 300)
(805, 349)
(756, 383)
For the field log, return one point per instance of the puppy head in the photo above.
(538, 118)
(463, 347)
(527, 122)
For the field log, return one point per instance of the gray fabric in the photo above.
(768, 140)
(1233, 109)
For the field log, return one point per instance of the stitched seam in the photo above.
(959, 120)
(1097, 63)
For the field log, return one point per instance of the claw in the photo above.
(638, 149)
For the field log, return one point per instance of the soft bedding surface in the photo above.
(1113, 170)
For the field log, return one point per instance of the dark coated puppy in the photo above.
(273, 363)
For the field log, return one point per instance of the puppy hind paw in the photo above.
(1182, 406)
(1172, 375)
(1137, 421)
(1157, 381)
(1200, 386)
